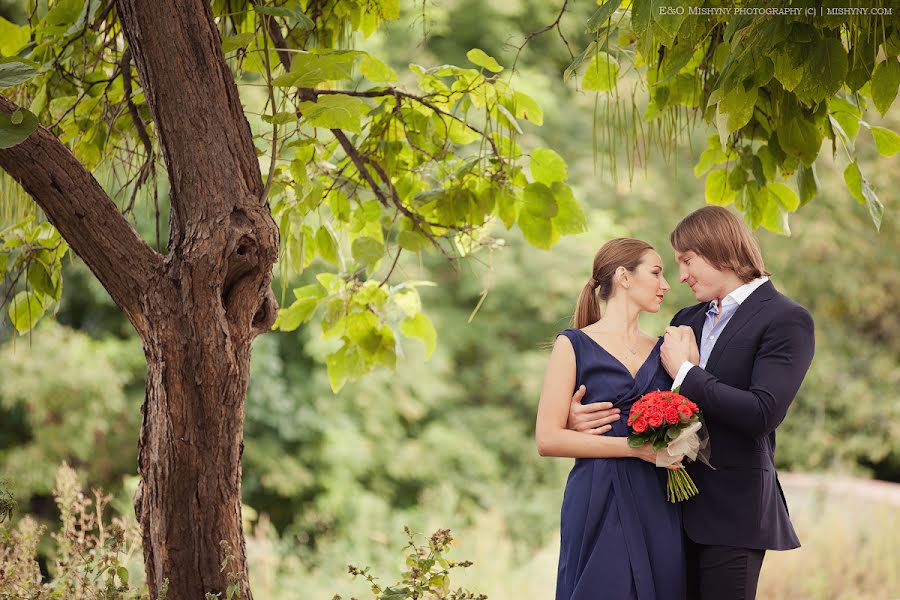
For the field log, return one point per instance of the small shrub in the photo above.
(90, 553)
(428, 576)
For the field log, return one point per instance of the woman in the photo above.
(620, 538)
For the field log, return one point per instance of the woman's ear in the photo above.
(622, 276)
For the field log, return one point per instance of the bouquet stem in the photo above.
(680, 486)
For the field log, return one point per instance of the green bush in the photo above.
(428, 575)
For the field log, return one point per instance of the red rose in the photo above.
(655, 420)
(672, 415)
(685, 410)
(640, 425)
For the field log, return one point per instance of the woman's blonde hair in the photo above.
(717, 235)
(620, 252)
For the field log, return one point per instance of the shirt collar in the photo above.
(738, 295)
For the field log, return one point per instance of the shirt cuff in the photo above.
(682, 373)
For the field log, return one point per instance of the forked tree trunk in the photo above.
(210, 299)
(198, 308)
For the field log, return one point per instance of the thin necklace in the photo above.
(627, 347)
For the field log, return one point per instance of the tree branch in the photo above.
(85, 215)
(543, 30)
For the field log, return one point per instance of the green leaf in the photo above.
(863, 193)
(302, 310)
(337, 369)
(240, 40)
(826, 71)
(507, 207)
(122, 574)
(538, 231)
(367, 251)
(885, 81)
(12, 37)
(601, 15)
(482, 59)
(735, 110)
(711, 157)
(327, 245)
(786, 72)
(718, 191)
(585, 54)
(281, 118)
(292, 13)
(14, 71)
(309, 69)
(887, 141)
(508, 118)
(636, 441)
(335, 111)
(525, 107)
(420, 326)
(641, 16)
(853, 179)
(547, 166)
(785, 196)
(459, 133)
(25, 311)
(798, 135)
(412, 241)
(569, 219)
(668, 16)
(11, 133)
(40, 279)
(375, 70)
(807, 185)
(539, 201)
(844, 118)
(601, 73)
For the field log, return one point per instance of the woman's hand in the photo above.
(688, 332)
(679, 346)
(647, 453)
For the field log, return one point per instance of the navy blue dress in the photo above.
(620, 539)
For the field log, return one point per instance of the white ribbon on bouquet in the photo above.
(692, 443)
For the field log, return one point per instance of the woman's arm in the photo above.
(551, 435)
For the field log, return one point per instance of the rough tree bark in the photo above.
(198, 308)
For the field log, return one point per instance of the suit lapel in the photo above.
(754, 303)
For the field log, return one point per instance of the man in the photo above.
(755, 348)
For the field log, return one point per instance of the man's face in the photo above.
(704, 280)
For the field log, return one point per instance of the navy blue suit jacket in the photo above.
(750, 380)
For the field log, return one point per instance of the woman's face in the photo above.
(646, 284)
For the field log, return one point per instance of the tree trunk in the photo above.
(198, 308)
(211, 297)
(189, 499)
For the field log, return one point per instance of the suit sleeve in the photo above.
(785, 353)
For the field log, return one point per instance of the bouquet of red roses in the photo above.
(670, 422)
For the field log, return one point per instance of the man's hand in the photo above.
(679, 346)
(594, 418)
